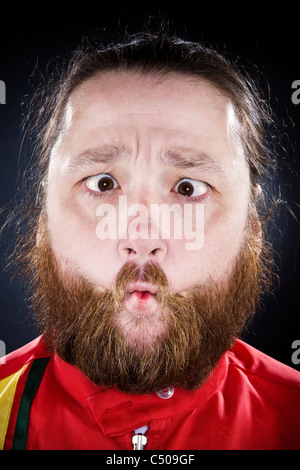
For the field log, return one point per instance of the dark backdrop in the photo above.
(266, 42)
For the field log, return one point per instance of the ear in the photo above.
(257, 190)
(41, 227)
(255, 222)
(38, 233)
(256, 227)
(42, 222)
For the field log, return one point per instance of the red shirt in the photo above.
(251, 401)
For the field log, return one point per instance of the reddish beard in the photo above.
(196, 329)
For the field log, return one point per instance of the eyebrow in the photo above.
(188, 158)
(180, 158)
(91, 156)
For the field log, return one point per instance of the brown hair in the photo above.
(147, 53)
(161, 54)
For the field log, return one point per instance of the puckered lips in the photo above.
(141, 298)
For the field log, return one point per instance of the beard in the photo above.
(178, 347)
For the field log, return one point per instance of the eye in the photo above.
(101, 183)
(188, 187)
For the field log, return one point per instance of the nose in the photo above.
(141, 251)
(143, 243)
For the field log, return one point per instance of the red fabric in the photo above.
(250, 402)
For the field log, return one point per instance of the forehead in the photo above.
(114, 87)
(119, 92)
(117, 108)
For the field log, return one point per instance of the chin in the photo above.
(141, 331)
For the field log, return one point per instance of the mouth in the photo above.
(140, 298)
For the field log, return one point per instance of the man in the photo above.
(146, 257)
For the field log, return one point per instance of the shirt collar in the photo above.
(117, 413)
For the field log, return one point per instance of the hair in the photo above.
(159, 54)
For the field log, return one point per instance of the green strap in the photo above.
(33, 381)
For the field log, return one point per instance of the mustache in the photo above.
(149, 272)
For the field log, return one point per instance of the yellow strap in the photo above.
(7, 393)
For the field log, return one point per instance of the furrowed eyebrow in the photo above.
(92, 156)
(182, 158)
(190, 159)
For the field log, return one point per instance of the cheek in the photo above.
(76, 245)
(223, 237)
(225, 234)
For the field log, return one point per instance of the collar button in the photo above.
(166, 393)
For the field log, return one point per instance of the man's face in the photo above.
(127, 301)
(170, 141)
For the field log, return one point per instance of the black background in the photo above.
(266, 42)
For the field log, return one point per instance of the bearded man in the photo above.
(139, 327)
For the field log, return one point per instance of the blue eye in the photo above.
(188, 187)
(100, 183)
